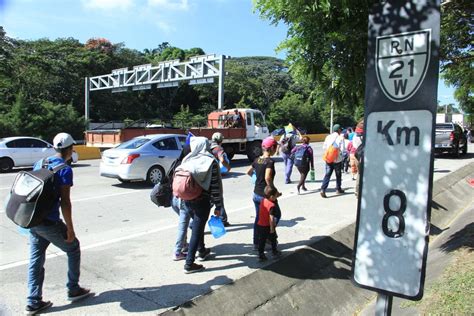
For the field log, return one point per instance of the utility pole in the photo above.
(332, 105)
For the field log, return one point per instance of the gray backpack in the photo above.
(32, 196)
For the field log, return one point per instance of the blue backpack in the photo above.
(301, 156)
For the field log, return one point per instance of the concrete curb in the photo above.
(315, 280)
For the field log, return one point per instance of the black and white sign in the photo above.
(402, 61)
(391, 241)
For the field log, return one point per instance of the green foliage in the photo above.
(44, 119)
(185, 118)
(457, 56)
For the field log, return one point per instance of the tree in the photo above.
(457, 57)
(326, 42)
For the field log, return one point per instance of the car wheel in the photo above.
(155, 175)
(6, 164)
(254, 150)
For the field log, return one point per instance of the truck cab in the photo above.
(243, 135)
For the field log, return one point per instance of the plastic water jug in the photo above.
(312, 176)
(216, 226)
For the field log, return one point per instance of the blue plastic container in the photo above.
(216, 226)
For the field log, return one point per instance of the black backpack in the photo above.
(162, 193)
(32, 196)
(285, 145)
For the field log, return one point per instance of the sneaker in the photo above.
(340, 191)
(288, 182)
(204, 255)
(323, 194)
(78, 294)
(276, 254)
(41, 306)
(193, 268)
(226, 224)
(262, 258)
(179, 256)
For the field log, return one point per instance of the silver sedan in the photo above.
(145, 158)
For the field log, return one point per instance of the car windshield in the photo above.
(133, 143)
(444, 126)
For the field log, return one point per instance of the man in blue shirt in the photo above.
(54, 230)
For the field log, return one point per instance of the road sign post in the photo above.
(391, 241)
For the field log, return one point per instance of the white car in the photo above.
(24, 152)
(142, 158)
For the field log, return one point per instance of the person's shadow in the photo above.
(147, 299)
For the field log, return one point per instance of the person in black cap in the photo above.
(333, 143)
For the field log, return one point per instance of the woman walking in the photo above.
(303, 158)
(204, 169)
(264, 169)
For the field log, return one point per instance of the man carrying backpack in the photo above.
(334, 147)
(287, 143)
(303, 159)
(54, 230)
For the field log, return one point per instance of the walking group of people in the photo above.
(197, 187)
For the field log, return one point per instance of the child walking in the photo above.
(268, 217)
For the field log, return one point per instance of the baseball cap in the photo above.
(63, 140)
(336, 127)
(269, 142)
(217, 137)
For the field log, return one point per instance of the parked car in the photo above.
(451, 138)
(24, 152)
(145, 158)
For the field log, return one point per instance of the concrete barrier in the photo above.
(312, 137)
(315, 280)
(85, 152)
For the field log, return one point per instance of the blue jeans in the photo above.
(40, 238)
(201, 209)
(256, 200)
(185, 215)
(288, 166)
(337, 167)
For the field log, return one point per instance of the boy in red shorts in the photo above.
(268, 217)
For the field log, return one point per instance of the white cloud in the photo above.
(165, 27)
(107, 4)
(179, 5)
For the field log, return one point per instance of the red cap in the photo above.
(269, 142)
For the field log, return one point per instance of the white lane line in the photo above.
(94, 197)
(6, 188)
(104, 196)
(105, 243)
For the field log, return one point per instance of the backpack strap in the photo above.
(59, 167)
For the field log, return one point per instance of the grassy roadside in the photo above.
(453, 293)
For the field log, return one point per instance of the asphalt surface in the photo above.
(127, 242)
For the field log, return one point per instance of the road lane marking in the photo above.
(94, 197)
(120, 239)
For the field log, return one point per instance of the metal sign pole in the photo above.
(383, 306)
(220, 102)
(86, 102)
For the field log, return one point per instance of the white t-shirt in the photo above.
(337, 141)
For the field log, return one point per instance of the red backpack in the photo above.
(184, 185)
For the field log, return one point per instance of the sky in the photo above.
(228, 27)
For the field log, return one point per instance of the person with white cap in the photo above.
(54, 231)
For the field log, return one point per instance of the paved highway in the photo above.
(127, 242)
